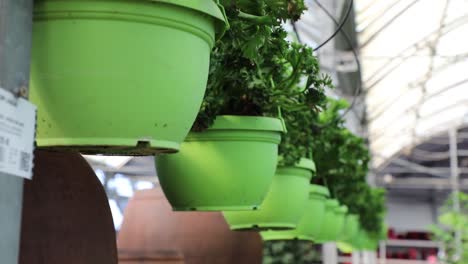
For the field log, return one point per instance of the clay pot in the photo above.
(150, 225)
(66, 214)
(156, 257)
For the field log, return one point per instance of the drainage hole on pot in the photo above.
(143, 144)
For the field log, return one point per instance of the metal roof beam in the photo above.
(422, 183)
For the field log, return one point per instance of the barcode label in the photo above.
(17, 128)
(2, 154)
(25, 161)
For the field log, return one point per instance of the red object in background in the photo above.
(401, 236)
(391, 233)
(347, 255)
(432, 259)
(417, 235)
(429, 253)
(413, 253)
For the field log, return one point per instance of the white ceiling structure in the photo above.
(414, 69)
(414, 56)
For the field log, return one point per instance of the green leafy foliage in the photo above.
(342, 164)
(449, 222)
(255, 71)
(300, 118)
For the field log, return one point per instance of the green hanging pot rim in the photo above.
(252, 123)
(355, 216)
(211, 8)
(332, 203)
(304, 163)
(284, 235)
(320, 190)
(341, 209)
(307, 164)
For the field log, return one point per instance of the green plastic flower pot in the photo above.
(351, 236)
(284, 205)
(340, 218)
(332, 225)
(311, 221)
(357, 240)
(368, 243)
(120, 76)
(230, 166)
(350, 227)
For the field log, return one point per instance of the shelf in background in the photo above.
(411, 243)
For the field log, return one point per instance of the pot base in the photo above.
(215, 208)
(275, 235)
(109, 146)
(264, 227)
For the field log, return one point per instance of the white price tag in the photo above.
(17, 131)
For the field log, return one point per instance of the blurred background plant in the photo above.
(452, 221)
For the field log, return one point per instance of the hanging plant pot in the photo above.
(228, 167)
(369, 243)
(350, 228)
(284, 205)
(311, 221)
(357, 240)
(340, 218)
(333, 221)
(120, 76)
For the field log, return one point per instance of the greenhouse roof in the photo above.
(417, 84)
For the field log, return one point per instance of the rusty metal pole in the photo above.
(15, 46)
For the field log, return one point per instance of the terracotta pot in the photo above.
(156, 257)
(150, 225)
(66, 214)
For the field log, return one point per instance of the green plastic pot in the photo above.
(351, 227)
(357, 240)
(333, 223)
(368, 243)
(351, 238)
(340, 218)
(284, 205)
(362, 241)
(230, 166)
(311, 221)
(120, 76)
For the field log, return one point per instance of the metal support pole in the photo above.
(356, 257)
(454, 172)
(373, 257)
(383, 252)
(15, 46)
(366, 257)
(329, 253)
